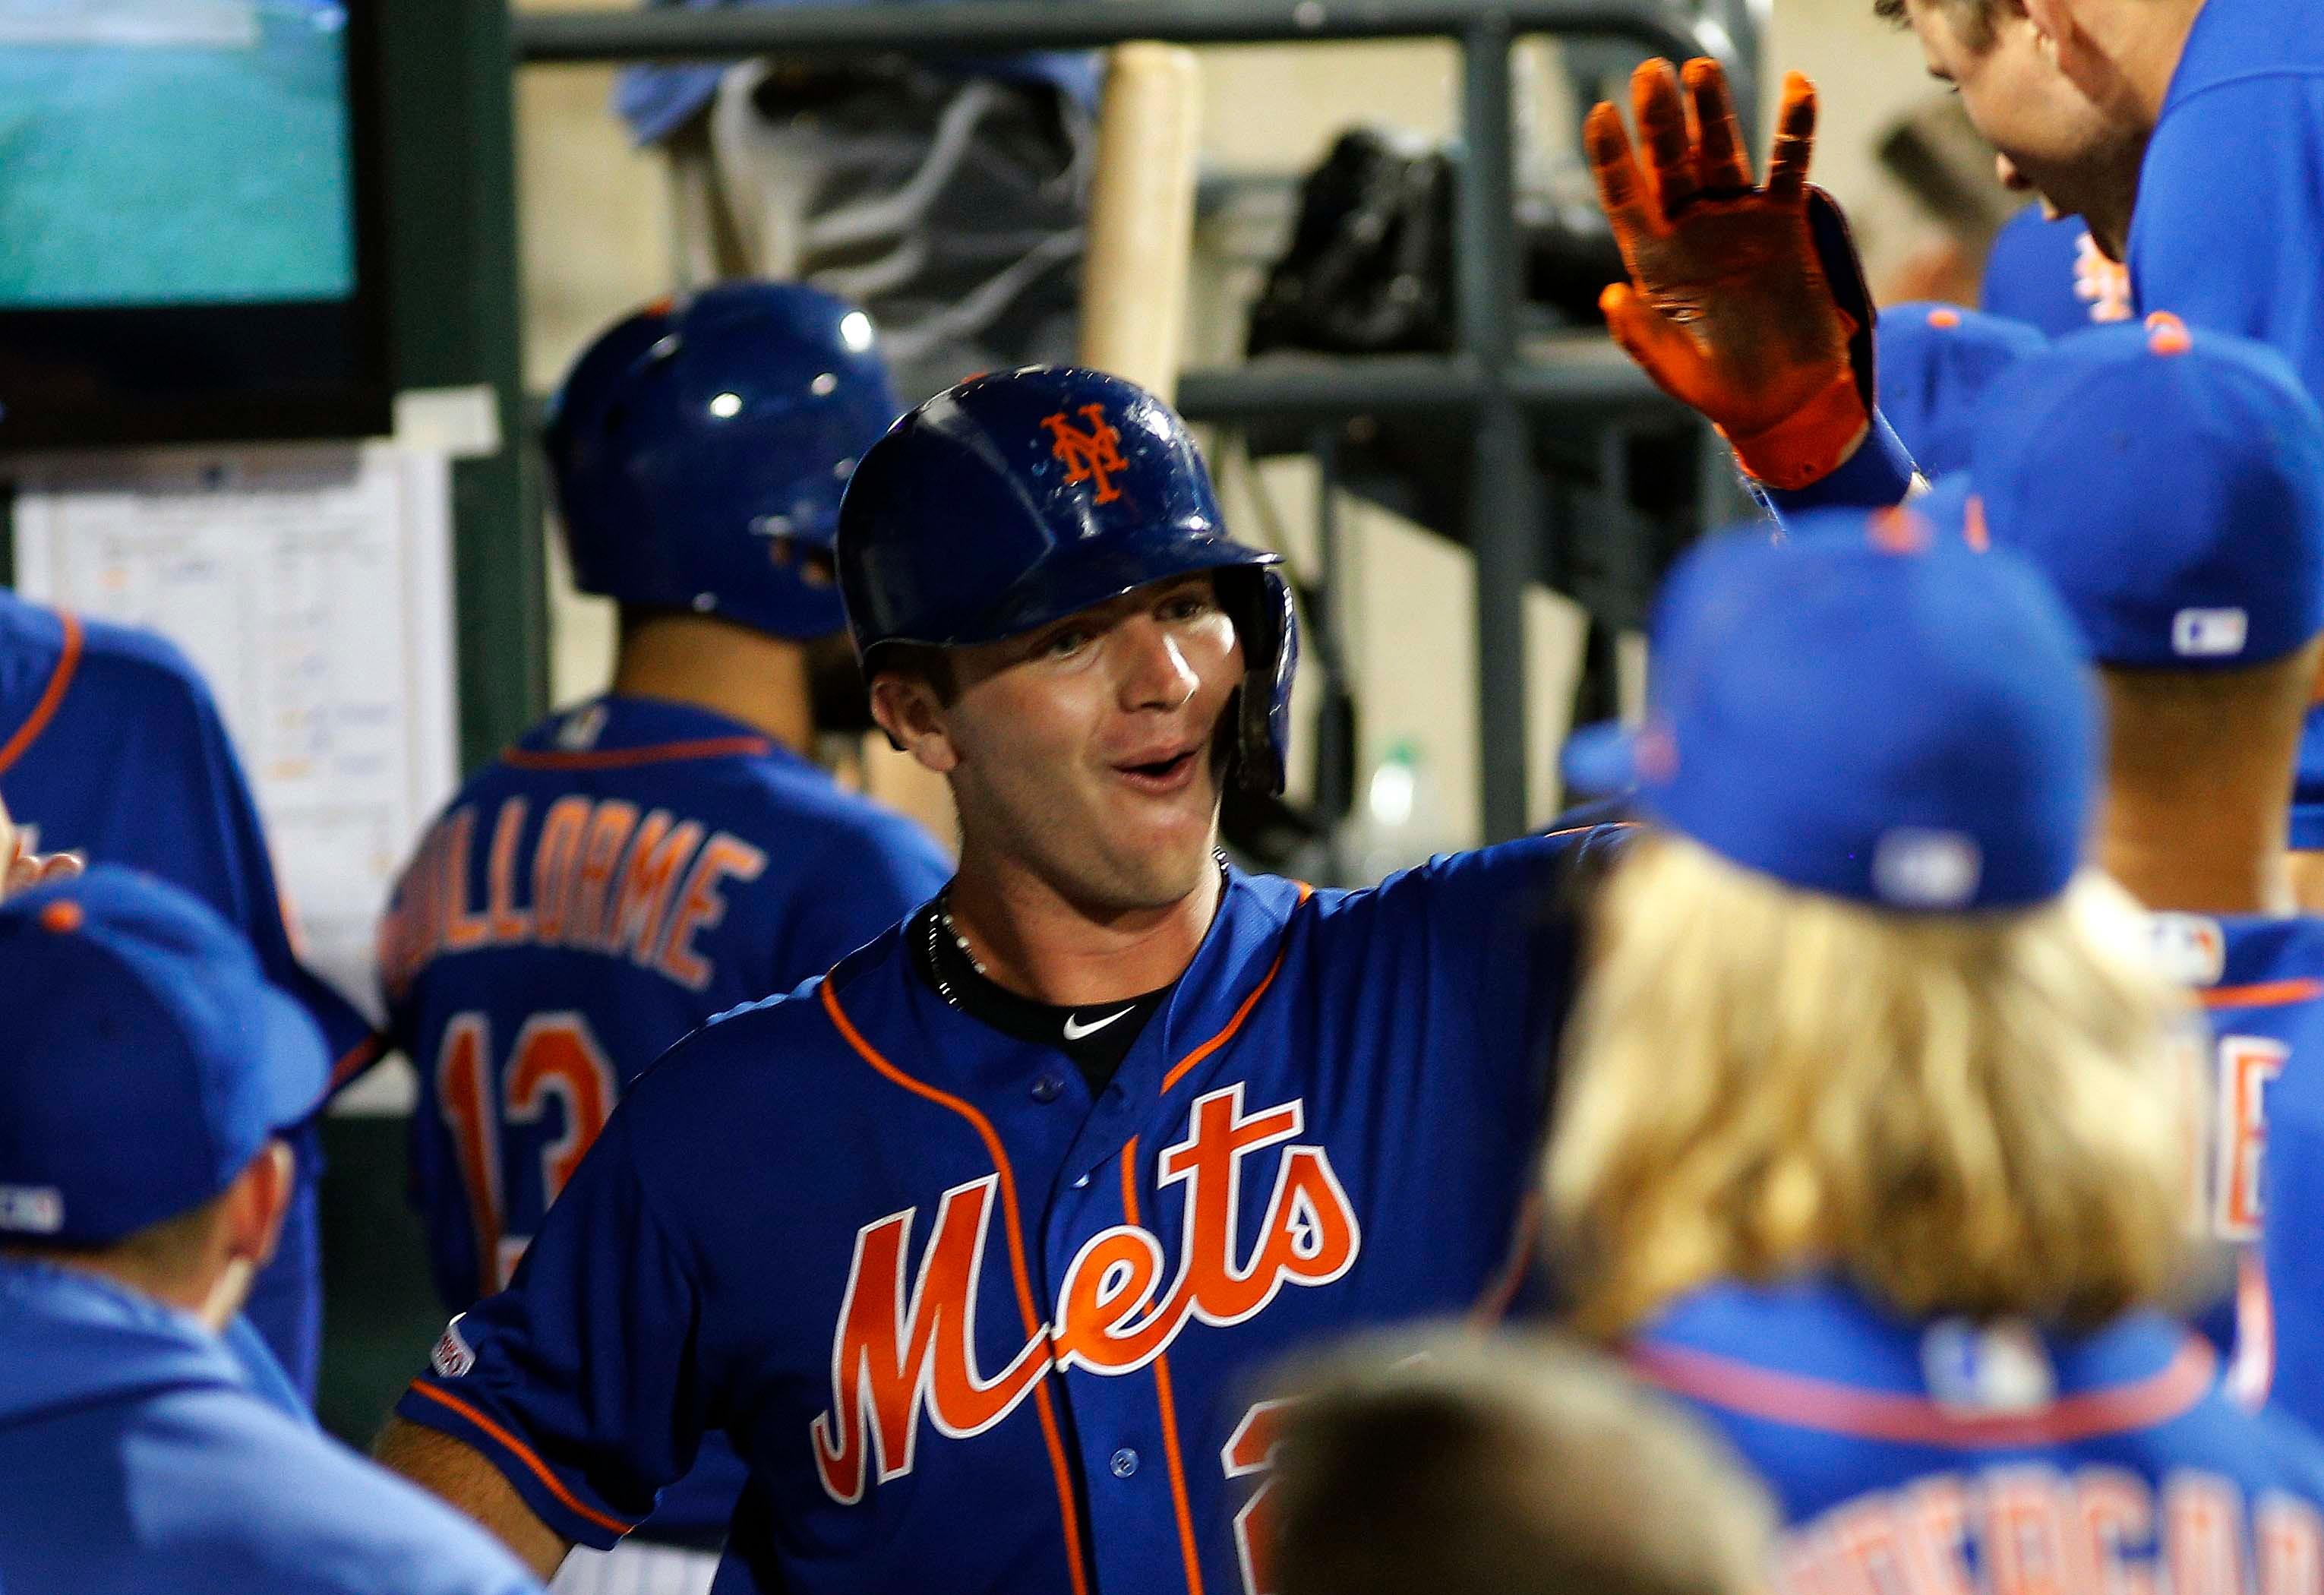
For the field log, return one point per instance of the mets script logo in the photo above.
(904, 1344)
(1094, 454)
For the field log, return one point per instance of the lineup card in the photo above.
(311, 587)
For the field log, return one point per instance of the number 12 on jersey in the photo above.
(491, 1113)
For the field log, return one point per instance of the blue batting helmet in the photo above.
(1026, 497)
(699, 446)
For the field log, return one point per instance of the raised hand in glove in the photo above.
(1745, 302)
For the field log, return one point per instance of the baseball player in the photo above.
(970, 1245)
(2050, 273)
(111, 747)
(659, 854)
(148, 1071)
(1887, 1196)
(2171, 486)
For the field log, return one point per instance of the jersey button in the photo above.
(1125, 1462)
(1045, 1089)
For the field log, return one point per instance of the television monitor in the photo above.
(189, 241)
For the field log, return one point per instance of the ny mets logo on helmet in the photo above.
(1094, 454)
(906, 1344)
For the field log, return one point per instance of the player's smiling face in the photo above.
(2054, 140)
(1091, 751)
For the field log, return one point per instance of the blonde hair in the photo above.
(1455, 1465)
(1986, 1114)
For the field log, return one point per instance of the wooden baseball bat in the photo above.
(1141, 220)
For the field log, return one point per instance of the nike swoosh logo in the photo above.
(1076, 1031)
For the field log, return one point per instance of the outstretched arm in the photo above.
(458, 1472)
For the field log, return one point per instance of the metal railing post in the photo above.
(1500, 480)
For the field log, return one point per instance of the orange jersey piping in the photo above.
(983, 1128)
(1809, 1403)
(1178, 1071)
(1167, 1401)
(52, 695)
(712, 747)
(524, 1453)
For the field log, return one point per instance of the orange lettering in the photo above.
(894, 1352)
(701, 906)
(585, 909)
(2118, 1527)
(463, 1095)
(633, 927)
(561, 830)
(509, 923)
(2202, 1536)
(2290, 1545)
(2248, 1063)
(1936, 1538)
(1111, 1279)
(555, 1055)
(462, 929)
(2025, 1531)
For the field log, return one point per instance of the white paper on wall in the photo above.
(311, 587)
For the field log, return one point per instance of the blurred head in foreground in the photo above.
(1856, 1007)
(1463, 1466)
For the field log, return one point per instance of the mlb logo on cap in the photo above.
(2209, 633)
(31, 1210)
(1894, 719)
(1922, 869)
(2170, 483)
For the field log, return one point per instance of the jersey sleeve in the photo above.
(2231, 216)
(580, 1382)
(1511, 918)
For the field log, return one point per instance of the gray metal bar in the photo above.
(677, 33)
(1323, 385)
(1501, 484)
(1332, 762)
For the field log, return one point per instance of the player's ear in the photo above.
(2056, 34)
(908, 709)
(257, 1202)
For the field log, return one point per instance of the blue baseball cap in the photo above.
(2170, 486)
(145, 1060)
(1935, 364)
(1872, 711)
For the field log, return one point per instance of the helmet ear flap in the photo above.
(1258, 600)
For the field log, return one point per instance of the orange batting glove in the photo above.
(1731, 306)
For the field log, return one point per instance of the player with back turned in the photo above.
(1894, 1197)
(148, 1074)
(971, 1246)
(665, 851)
(111, 746)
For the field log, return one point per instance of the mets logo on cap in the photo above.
(1090, 455)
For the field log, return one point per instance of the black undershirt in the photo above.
(1096, 1036)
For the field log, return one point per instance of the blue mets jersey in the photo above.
(2229, 229)
(2228, 233)
(2261, 980)
(2049, 274)
(629, 868)
(975, 1328)
(2271, 1133)
(110, 745)
(1949, 1457)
